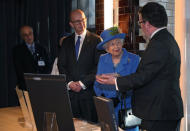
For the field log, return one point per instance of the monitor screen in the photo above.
(48, 94)
(106, 114)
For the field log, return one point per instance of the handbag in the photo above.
(126, 117)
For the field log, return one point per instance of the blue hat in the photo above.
(110, 34)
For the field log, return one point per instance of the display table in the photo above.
(11, 119)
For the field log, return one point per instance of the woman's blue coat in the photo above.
(127, 65)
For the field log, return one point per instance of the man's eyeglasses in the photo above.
(78, 21)
(141, 22)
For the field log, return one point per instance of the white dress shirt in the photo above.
(81, 44)
(81, 40)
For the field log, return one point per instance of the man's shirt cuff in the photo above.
(82, 85)
(116, 84)
(68, 85)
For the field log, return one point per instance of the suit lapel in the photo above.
(71, 46)
(25, 48)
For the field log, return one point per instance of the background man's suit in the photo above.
(26, 62)
(84, 70)
(156, 95)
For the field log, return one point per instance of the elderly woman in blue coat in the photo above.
(118, 62)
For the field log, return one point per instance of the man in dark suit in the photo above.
(29, 57)
(156, 92)
(78, 59)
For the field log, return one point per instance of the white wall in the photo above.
(182, 35)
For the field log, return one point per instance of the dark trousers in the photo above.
(160, 125)
(83, 106)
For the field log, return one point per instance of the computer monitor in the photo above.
(106, 114)
(48, 93)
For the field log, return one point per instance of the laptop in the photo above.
(48, 94)
(106, 114)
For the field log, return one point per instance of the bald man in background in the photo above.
(29, 57)
(78, 59)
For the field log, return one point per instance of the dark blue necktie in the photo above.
(77, 46)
